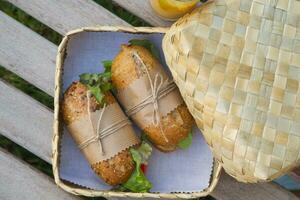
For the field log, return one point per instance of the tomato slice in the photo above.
(144, 168)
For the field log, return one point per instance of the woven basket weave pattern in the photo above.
(237, 64)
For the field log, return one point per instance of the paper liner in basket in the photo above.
(237, 64)
(57, 138)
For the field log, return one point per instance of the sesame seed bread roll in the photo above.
(113, 171)
(177, 124)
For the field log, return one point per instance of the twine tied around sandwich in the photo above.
(157, 92)
(100, 134)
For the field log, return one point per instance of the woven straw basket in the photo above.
(57, 137)
(237, 64)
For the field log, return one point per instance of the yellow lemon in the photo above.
(172, 9)
(178, 5)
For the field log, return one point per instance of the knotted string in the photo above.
(100, 134)
(157, 92)
(170, 86)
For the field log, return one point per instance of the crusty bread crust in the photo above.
(125, 71)
(116, 170)
(119, 168)
(74, 104)
(173, 129)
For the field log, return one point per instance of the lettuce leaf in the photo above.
(145, 151)
(147, 44)
(186, 142)
(107, 66)
(100, 83)
(138, 181)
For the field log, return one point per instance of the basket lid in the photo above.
(237, 65)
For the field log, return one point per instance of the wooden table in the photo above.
(29, 123)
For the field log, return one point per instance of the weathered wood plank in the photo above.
(230, 189)
(16, 39)
(25, 121)
(143, 10)
(64, 16)
(20, 181)
(27, 54)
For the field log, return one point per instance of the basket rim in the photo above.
(216, 170)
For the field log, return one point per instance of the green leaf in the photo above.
(106, 86)
(138, 181)
(85, 78)
(186, 143)
(106, 75)
(107, 65)
(136, 156)
(94, 79)
(145, 150)
(96, 92)
(148, 45)
(120, 188)
(145, 138)
(98, 84)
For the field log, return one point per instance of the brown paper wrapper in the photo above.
(140, 89)
(123, 138)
